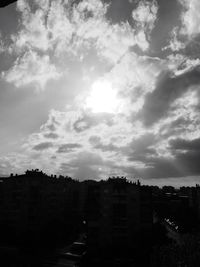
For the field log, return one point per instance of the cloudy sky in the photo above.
(93, 88)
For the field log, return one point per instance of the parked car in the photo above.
(75, 251)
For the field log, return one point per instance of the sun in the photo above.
(102, 98)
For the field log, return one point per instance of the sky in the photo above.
(99, 88)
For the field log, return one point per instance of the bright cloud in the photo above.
(184, 35)
(190, 17)
(145, 16)
(31, 69)
(175, 44)
(180, 64)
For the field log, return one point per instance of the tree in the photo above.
(4, 3)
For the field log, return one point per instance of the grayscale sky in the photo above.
(93, 88)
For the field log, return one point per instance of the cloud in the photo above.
(53, 121)
(150, 134)
(185, 145)
(43, 146)
(14, 163)
(104, 150)
(177, 126)
(88, 120)
(33, 32)
(168, 89)
(190, 17)
(175, 44)
(85, 166)
(66, 148)
(115, 42)
(2, 46)
(97, 143)
(145, 16)
(135, 72)
(161, 167)
(71, 146)
(180, 63)
(186, 155)
(142, 147)
(158, 166)
(31, 69)
(51, 135)
(52, 30)
(59, 26)
(186, 35)
(182, 120)
(75, 28)
(189, 162)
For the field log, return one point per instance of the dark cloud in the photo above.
(161, 167)
(141, 148)
(187, 155)
(184, 162)
(66, 148)
(96, 142)
(176, 127)
(51, 135)
(189, 145)
(51, 127)
(43, 146)
(189, 162)
(168, 89)
(143, 155)
(156, 167)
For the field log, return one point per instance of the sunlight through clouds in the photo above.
(114, 87)
(103, 98)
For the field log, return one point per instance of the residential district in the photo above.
(58, 221)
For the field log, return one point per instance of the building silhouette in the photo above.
(113, 212)
(117, 212)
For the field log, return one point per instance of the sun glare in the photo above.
(103, 98)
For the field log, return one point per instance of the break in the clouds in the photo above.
(90, 90)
